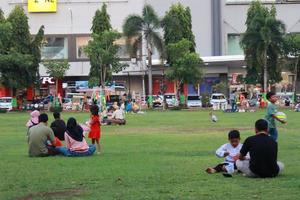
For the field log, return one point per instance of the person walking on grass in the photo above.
(263, 154)
(271, 117)
(41, 139)
(94, 123)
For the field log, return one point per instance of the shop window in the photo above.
(234, 47)
(55, 48)
(81, 43)
(123, 51)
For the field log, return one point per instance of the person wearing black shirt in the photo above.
(58, 126)
(263, 154)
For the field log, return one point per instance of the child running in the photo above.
(270, 116)
(229, 151)
(95, 132)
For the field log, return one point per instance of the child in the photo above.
(229, 151)
(95, 131)
(34, 120)
(270, 116)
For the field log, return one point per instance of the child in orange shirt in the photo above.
(95, 132)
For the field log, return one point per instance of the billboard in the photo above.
(42, 6)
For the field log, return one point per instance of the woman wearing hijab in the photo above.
(76, 145)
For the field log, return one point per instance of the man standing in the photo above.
(232, 98)
(263, 154)
(58, 126)
(40, 139)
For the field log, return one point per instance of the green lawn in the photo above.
(159, 155)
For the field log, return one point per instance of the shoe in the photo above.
(210, 170)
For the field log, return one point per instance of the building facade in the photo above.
(217, 25)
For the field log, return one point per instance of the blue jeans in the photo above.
(66, 152)
(273, 133)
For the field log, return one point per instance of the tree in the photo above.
(145, 27)
(103, 54)
(176, 17)
(102, 49)
(56, 69)
(292, 50)
(262, 44)
(186, 65)
(19, 51)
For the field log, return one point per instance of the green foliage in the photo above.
(102, 50)
(186, 65)
(177, 25)
(262, 43)
(221, 87)
(56, 68)
(136, 27)
(103, 54)
(101, 21)
(19, 52)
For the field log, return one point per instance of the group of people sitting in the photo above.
(257, 157)
(47, 141)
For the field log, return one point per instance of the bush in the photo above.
(205, 100)
(56, 109)
(3, 111)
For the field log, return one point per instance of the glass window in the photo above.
(81, 42)
(123, 52)
(234, 47)
(248, 1)
(55, 48)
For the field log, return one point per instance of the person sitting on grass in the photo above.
(58, 126)
(263, 154)
(76, 144)
(229, 151)
(118, 117)
(34, 119)
(41, 139)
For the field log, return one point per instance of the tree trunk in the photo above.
(56, 86)
(296, 74)
(265, 72)
(149, 71)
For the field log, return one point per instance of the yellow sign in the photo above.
(42, 5)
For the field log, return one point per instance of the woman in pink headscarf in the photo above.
(34, 120)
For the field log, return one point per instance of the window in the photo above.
(55, 48)
(247, 1)
(81, 42)
(234, 47)
(123, 52)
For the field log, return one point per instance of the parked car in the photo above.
(218, 101)
(171, 100)
(158, 101)
(67, 103)
(6, 103)
(194, 101)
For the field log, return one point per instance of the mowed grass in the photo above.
(158, 155)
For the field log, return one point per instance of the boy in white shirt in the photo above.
(229, 151)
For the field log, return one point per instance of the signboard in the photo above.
(42, 6)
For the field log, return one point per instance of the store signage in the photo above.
(42, 6)
(48, 80)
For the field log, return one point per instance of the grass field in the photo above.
(159, 155)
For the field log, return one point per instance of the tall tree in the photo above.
(20, 53)
(102, 49)
(145, 27)
(186, 65)
(262, 44)
(178, 16)
(292, 52)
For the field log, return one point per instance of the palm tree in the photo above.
(145, 27)
(263, 40)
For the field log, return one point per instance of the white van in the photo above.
(6, 103)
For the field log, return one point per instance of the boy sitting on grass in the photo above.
(229, 151)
